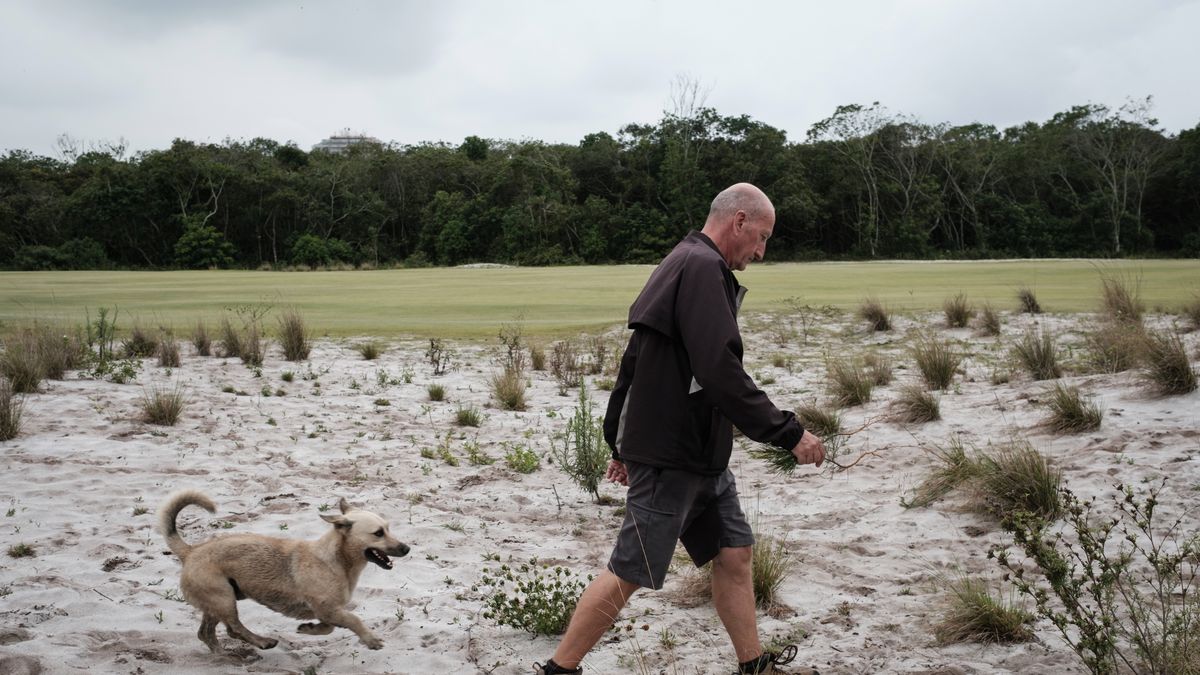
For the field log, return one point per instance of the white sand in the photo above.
(98, 596)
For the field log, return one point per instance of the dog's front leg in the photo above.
(340, 617)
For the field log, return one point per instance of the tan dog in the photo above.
(300, 579)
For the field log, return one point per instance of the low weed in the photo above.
(532, 597)
(1113, 348)
(139, 344)
(436, 392)
(566, 365)
(879, 368)
(369, 350)
(954, 469)
(168, 350)
(230, 339)
(21, 550)
(252, 346)
(1121, 300)
(989, 321)
(201, 340)
(1071, 413)
(521, 459)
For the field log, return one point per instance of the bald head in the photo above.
(740, 221)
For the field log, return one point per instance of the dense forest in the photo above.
(864, 183)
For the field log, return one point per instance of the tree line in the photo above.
(864, 183)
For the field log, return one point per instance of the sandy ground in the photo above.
(82, 482)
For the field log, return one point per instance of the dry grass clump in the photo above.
(252, 346)
(849, 382)
(1028, 301)
(876, 314)
(1191, 312)
(1071, 413)
(1121, 300)
(972, 614)
(57, 347)
(508, 388)
(1114, 348)
(163, 406)
(1165, 365)
(230, 339)
(879, 368)
(936, 361)
(293, 336)
(1018, 478)
(1038, 353)
(436, 392)
(200, 340)
(139, 344)
(369, 350)
(958, 311)
(22, 363)
(168, 350)
(916, 406)
(537, 356)
(989, 321)
(955, 468)
(12, 407)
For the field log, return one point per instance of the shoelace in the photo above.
(785, 656)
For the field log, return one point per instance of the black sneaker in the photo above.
(552, 668)
(766, 664)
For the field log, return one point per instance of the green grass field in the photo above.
(472, 303)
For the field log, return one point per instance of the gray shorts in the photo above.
(665, 506)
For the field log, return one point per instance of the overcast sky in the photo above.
(149, 71)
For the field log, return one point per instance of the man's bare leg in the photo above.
(733, 597)
(595, 613)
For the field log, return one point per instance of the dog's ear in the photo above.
(339, 522)
(344, 505)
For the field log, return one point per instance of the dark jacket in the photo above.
(681, 382)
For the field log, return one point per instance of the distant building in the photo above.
(339, 143)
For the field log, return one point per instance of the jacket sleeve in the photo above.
(618, 397)
(709, 332)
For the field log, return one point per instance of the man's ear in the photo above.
(339, 522)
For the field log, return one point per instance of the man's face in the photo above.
(750, 240)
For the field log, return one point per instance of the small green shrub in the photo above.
(436, 392)
(468, 416)
(582, 453)
(937, 362)
(1028, 301)
(973, 615)
(293, 336)
(989, 321)
(21, 550)
(139, 344)
(916, 405)
(521, 459)
(1165, 366)
(958, 311)
(12, 407)
(531, 597)
(1038, 353)
(287, 376)
(875, 314)
(849, 384)
(1070, 413)
(508, 388)
(163, 406)
(369, 350)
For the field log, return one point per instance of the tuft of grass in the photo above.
(849, 383)
(293, 336)
(1121, 300)
(22, 363)
(163, 406)
(139, 344)
(12, 407)
(955, 469)
(958, 311)
(936, 361)
(916, 405)
(537, 356)
(1114, 348)
(1038, 352)
(1017, 477)
(436, 392)
(972, 614)
(468, 416)
(875, 314)
(1071, 413)
(1191, 312)
(168, 350)
(201, 340)
(879, 368)
(508, 388)
(231, 339)
(369, 350)
(60, 349)
(819, 421)
(21, 550)
(252, 346)
(989, 321)
(1165, 365)
(1028, 301)
(770, 566)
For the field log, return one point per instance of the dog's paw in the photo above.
(373, 642)
(269, 643)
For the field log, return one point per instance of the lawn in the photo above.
(473, 302)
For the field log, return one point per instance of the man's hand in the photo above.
(809, 450)
(617, 473)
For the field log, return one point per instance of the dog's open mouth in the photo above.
(379, 558)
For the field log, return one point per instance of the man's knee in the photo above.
(734, 560)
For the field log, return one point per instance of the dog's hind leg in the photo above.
(208, 633)
(219, 603)
(319, 628)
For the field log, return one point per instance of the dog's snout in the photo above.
(403, 548)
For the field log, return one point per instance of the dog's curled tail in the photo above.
(170, 510)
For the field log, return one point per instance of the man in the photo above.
(680, 387)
